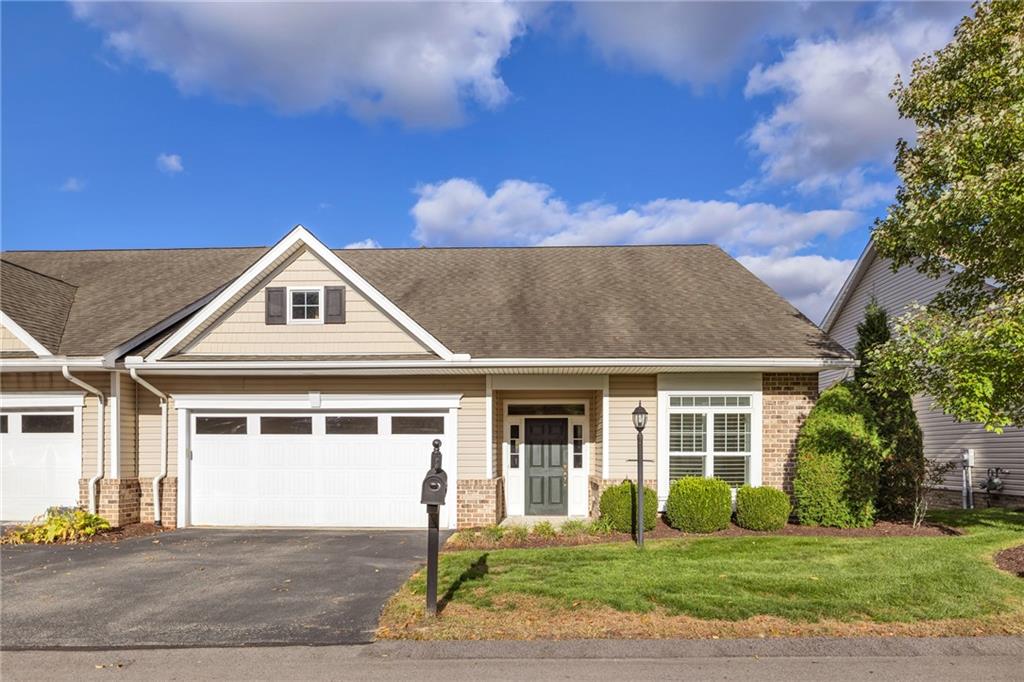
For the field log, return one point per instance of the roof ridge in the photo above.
(495, 247)
(36, 272)
(135, 250)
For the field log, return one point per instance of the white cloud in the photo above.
(367, 243)
(833, 126)
(696, 42)
(418, 63)
(809, 282)
(459, 211)
(170, 163)
(73, 184)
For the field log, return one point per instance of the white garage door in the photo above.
(340, 470)
(40, 462)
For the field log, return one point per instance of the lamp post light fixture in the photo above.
(639, 422)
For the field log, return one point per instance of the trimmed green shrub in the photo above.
(699, 505)
(618, 507)
(543, 529)
(839, 454)
(762, 508)
(492, 533)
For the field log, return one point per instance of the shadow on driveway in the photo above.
(207, 587)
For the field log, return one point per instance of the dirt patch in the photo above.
(523, 618)
(132, 530)
(1012, 560)
(663, 531)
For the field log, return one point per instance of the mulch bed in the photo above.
(663, 531)
(1012, 560)
(132, 530)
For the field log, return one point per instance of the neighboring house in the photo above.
(944, 436)
(302, 386)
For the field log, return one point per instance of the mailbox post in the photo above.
(435, 488)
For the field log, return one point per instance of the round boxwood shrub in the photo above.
(618, 507)
(762, 508)
(839, 455)
(699, 505)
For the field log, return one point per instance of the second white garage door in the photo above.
(328, 470)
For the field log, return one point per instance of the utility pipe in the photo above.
(163, 440)
(100, 418)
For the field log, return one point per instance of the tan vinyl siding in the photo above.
(367, 329)
(944, 437)
(9, 342)
(128, 435)
(471, 435)
(625, 392)
(53, 381)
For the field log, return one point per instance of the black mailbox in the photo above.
(435, 483)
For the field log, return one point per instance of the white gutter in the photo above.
(163, 440)
(100, 417)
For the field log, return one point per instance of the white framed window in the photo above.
(712, 436)
(305, 305)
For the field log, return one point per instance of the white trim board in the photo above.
(315, 400)
(23, 336)
(300, 236)
(16, 401)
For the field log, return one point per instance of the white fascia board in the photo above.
(698, 364)
(866, 256)
(300, 235)
(23, 336)
(327, 401)
(14, 401)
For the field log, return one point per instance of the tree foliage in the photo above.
(960, 211)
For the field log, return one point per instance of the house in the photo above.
(302, 386)
(945, 438)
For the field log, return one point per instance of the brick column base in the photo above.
(118, 500)
(479, 502)
(168, 501)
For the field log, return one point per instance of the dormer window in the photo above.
(304, 306)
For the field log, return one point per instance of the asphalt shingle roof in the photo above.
(690, 301)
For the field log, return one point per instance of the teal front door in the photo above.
(547, 467)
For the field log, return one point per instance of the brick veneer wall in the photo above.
(168, 501)
(787, 399)
(118, 500)
(480, 502)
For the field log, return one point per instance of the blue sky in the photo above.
(764, 128)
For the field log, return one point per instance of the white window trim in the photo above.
(754, 464)
(319, 289)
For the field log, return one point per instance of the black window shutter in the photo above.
(335, 305)
(275, 313)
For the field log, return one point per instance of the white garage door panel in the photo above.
(319, 480)
(38, 471)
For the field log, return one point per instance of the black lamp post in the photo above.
(639, 422)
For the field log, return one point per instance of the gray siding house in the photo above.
(944, 436)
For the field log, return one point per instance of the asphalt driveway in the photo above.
(205, 587)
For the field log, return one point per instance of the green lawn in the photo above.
(799, 579)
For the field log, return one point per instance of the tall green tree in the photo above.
(904, 465)
(960, 210)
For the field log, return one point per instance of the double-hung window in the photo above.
(710, 435)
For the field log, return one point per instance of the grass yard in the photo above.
(729, 586)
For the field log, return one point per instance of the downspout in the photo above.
(100, 418)
(163, 440)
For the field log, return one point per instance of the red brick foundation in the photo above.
(168, 501)
(480, 502)
(787, 399)
(117, 501)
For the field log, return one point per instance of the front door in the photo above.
(547, 466)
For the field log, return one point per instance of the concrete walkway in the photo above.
(996, 658)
